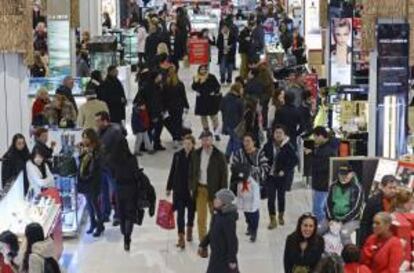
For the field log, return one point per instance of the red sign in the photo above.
(198, 51)
(311, 82)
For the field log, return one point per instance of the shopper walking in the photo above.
(176, 104)
(282, 158)
(381, 201)
(88, 110)
(184, 27)
(95, 82)
(320, 170)
(176, 48)
(352, 257)
(113, 94)
(244, 46)
(232, 111)
(40, 251)
(140, 124)
(208, 99)
(226, 44)
(38, 173)
(66, 90)
(179, 184)
(208, 174)
(89, 179)
(304, 247)
(383, 252)
(222, 237)
(14, 162)
(124, 167)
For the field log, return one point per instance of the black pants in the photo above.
(276, 187)
(252, 220)
(156, 131)
(265, 110)
(180, 206)
(94, 210)
(127, 210)
(174, 123)
(141, 58)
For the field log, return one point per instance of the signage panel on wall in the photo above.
(59, 45)
(312, 29)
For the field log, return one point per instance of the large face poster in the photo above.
(313, 36)
(341, 51)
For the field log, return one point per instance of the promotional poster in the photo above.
(341, 51)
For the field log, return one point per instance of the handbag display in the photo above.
(165, 215)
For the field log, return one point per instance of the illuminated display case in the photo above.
(130, 42)
(103, 52)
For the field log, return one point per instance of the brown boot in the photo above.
(189, 234)
(181, 241)
(273, 222)
(281, 219)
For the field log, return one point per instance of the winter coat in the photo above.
(89, 177)
(208, 96)
(109, 137)
(230, 55)
(255, 89)
(151, 44)
(38, 71)
(36, 179)
(95, 86)
(372, 207)
(65, 91)
(285, 160)
(289, 116)
(383, 256)
(342, 210)
(175, 98)
(13, 163)
(56, 116)
(113, 94)
(141, 37)
(232, 110)
(152, 96)
(216, 172)
(41, 251)
(179, 179)
(266, 78)
(176, 49)
(244, 41)
(140, 120)
(248, 196)
(320, 166)
(38, 112)
(294, 256)
(257, 41)
(297, 90)
(258, 162)
(222, 239)
(87, 112)
(356, 268)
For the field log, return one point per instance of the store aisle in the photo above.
(153, 250)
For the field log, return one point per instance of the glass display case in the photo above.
(130, 47)
(103, 52)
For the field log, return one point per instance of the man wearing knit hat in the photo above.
(222, 236)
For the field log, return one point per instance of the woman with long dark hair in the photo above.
(38, 249)
(38, 172)
(304, 247)
(90, 179)
(124, 166)
(14, 161)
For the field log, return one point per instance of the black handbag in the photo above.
(65, 165)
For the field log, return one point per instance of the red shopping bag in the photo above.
(165, 215)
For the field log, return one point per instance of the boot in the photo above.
(127, 243)
(189, 234)
(99, 230)
(273, 222)
(181, 241)
(91, 228)
(281, 219)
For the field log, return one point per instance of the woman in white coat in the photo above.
(38, 173)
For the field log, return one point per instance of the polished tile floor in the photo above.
(153, 249)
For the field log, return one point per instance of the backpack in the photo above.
(51, 266)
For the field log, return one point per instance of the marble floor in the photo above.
(153, 249)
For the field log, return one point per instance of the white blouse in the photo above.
(36, 180)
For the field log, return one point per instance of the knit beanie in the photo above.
(226, 196)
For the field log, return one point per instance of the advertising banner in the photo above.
(312, 21)
(198, 51)
(341, 51)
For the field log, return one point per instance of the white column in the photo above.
(91, 16)
(14, 107)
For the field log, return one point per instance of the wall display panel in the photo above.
(341, 51)
(312, 25)
(59, 46)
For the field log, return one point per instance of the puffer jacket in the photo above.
(353, 205)
(41, 251)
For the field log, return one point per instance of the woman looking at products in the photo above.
(38, 173)
(14, 162)
(90, 169)
(61, 112)
(40, 251)
(178, 182)
(208, 98)
(304, 247)
(38, 108)
(124, 166)
(383, 252)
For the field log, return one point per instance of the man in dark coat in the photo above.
(377, 203)
(66, 90)
(208, 174)
(257, 41)
(113, 94)
(222, 236)
(244, 47)
(226, 44)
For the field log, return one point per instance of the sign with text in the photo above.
(198, 51)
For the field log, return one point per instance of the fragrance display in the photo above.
(103, 52)
(52, 83)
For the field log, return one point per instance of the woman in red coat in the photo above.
(38, 115)
(382, 251)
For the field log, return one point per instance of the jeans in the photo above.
(252, 220)
(233, 145)
(108, 187)
(346, 230)
(226, 69)
(95, 213)
(276, 187)
(319, 204)
(180, 206)
(139, 139)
